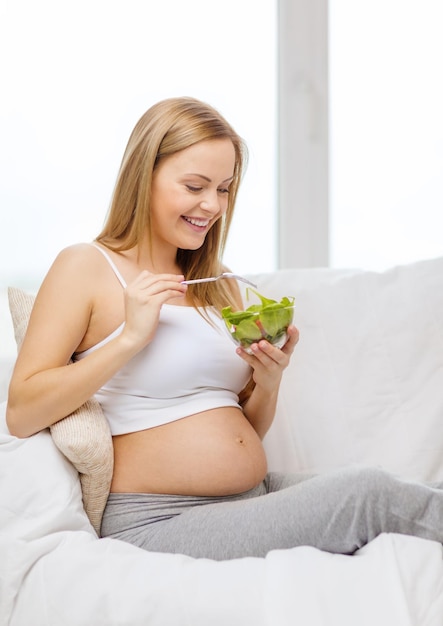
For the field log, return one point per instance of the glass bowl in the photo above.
(249, 326)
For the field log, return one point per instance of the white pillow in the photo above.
(40, 490)
(84, 436)
(365, 384)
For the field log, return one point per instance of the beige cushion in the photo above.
(83, 436)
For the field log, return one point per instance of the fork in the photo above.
(214, 278)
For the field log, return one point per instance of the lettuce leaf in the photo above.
(267, 320)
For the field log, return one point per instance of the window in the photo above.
(386, 132)
(78, 77)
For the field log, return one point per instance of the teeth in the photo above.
(196, 222)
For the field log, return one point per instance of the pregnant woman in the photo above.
(187, 410)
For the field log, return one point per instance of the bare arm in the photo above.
(268, 364)
(44, 387)
(259, 398)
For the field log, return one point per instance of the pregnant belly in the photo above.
(215, 452)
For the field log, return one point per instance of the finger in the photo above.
(149, 287)
(162, 287)
(147, 278)
(293, 337)
(269, 355)
(263, 348)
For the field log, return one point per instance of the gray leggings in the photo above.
(338, 512)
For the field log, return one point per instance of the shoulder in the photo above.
(77, 254)
(80, 263)
(74, 273)
(64, 302)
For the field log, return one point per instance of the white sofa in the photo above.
(365, 386)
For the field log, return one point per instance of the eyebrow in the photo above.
(208, 179)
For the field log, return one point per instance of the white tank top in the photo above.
(189, 367)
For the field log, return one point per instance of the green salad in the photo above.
(267, 320)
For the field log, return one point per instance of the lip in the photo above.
(196, 227)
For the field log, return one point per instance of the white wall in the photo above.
(76, 76)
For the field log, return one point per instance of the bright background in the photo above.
(76, 77)
(386, 132)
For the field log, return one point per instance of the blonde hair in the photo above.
(166, 128)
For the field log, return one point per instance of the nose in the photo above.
(212, 204)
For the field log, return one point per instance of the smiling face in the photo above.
(190, 191)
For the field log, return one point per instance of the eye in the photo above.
(193, 189)
(223, 191)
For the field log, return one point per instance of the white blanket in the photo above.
(366, 385)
